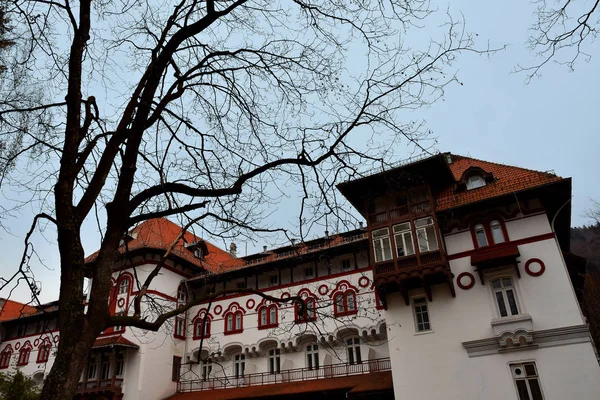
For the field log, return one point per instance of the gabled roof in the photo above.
(506, 179)
(10, 309)
(116, 341)
(160, 233)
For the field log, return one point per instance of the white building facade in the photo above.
(456, 288)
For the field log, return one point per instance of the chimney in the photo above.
(264, 249)
(233, 249)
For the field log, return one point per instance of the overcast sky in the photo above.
(549, 124)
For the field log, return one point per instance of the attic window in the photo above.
(199, 249)
(475, 181)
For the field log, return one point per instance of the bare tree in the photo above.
(561, 31)
(203, 110)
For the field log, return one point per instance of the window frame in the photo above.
(495, 223)
(347, 265)
(5, 357)
(236, 316)
(206, 369)
(43, 353)
(205, 321)
(24, 355)
(353, 351)
(381, 240)
(416, 313)
(344, 309)
(402, 233)
(312, 356)
(526, 378)
(271, 321)
(488, 232)
(307, 317)
(176, 369)
(422, 230)
(123, 286)
(274, 361)
(239, 365)
(505, 297)
(469, 182)
(180, 328)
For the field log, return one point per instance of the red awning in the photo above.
(496, 257)
(116, 341)
(355, 384)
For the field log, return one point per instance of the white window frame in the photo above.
(523, 376)
(312, 356)
(503, 290)
(496, 227)
(206, 369)
(239, 365)
(475, 181)
(480, 228)
(354, 354)
(419, 302)
(381, 239)
(422, 233)
(274, 361)
(400, 235)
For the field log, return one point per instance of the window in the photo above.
(105, 368)
(21, 330)
(180, 320)
(346, 266)
(527, 381)
(206, 369)
(403, 239)
(119, 365)
(233, 322)
(475, 181)
(239, 365)
(422, 323)
(382, 248)
(307, 311)
(426, 236)
(273, 280)
(118, 328)
(312, 356)
(202, 327)
(43, 353)
(274, 361)
(176, 372)
(124, 286)
(309, 272)
(353, 346)
(480, 235)
(179, 327)
(345, 303)
(24, 354)
(92, 369)
(497, 232)
(506, 300)
(267, 316)
(181, 296)
(5, 358)
(241, 285)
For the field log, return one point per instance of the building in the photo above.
(456, 287)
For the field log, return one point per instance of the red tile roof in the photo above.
(160, 233)
(507, 179)
(10, 309)
(114, 341)
(373, 382)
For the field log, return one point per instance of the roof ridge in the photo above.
(506, 165)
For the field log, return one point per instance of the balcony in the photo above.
(287, 376)
(111, 385)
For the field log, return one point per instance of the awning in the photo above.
(114, 341)
(354, 385)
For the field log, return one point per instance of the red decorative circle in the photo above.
(17, 346)
(121, 302)
(36, 342)
(284, 295)
(56, 339)
(535, 273)
(465, 286)
(363, 282)
(250, 304)
(218, 309)
(323, 289)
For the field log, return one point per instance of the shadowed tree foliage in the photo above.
(18, 387)
(205, 111)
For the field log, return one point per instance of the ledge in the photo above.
(512, 324)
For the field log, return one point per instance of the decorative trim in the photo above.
(17, 345)
(284, 295)
(537, 339)
(363, 282)
(531, 239)
(56, 339)
(323, 290)
(250, 304)
(528, 267)
(121, 302)
(36, 342)
(465, 286)
(218, 309)
(154, 262)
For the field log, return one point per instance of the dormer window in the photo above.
(199, 249)
(475, 181)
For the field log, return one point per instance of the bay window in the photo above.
(426, 235)
(382, 247)
(403, 239)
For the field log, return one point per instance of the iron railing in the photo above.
(286, 376)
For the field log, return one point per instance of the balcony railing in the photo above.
(100, 385)
(287, 376)
(408, 263)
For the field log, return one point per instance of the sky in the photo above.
(550, 123)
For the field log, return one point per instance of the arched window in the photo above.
(307, 311)
(24, 354)
(497, 232)
(475, 181)
(124, 286)
(202, 327)
(267, 316)
(43, 352)
(480, 235)
(345, 303)
(180, 319)
(5, 357)
(234, 322)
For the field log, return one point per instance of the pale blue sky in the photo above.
(551, 123)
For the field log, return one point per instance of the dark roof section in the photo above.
(114, 341)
